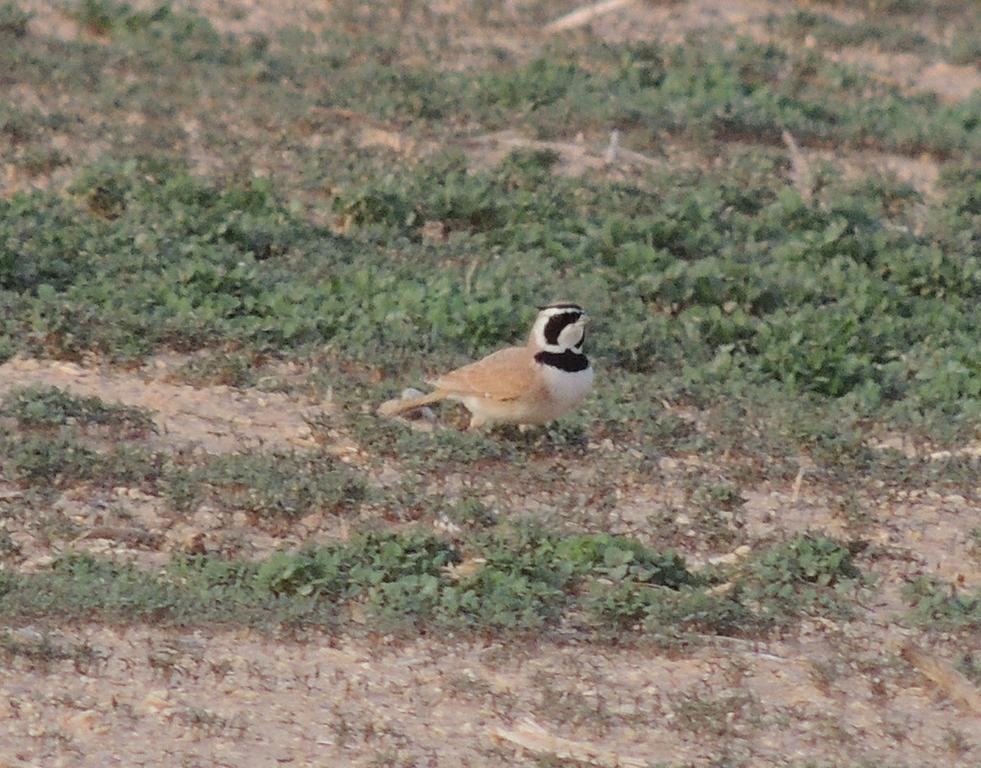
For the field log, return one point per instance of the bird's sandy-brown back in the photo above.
(507, 374)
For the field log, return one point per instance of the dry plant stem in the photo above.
(531, 736)
(944, 676)
(582, 16)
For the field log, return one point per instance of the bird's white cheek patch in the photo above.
(571, 335)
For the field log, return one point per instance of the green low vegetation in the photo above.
(60, 460)
(952, 29)
(52, 407)
(708, 276)
(519, 579)
(267, 485)
(881, 34)
(941, 605)
(13, 20)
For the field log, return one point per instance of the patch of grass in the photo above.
(804, 576)
(706, 611)
(914, 8)
(395, 576)
(965, 44)
(700, 87)
(528, 580)
(471, 512)
(707, 90)
(41, 649)
(49, 461)
(13, 20)
(715, 717)
(433, 450)
(192, 590)
(897, 25)
(709, 288)
(39, 406)
(941, 605)
(830, 32)
(8, 547)
(514, 580)
(99, 16)
(528, 574)
(16, 126)
(524, 581)
(269, 486)
(807, 574)
(231, 369)
(187, 32)
(199, 279)
(40, 160)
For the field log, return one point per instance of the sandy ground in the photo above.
(161, 698)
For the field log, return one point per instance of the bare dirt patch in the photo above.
(215, 419)
(245, 699)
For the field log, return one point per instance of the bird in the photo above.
(528, 385)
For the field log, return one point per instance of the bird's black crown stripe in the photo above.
(561, 305)
(568, 361)
(556, 323)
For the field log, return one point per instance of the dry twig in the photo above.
(531, 736)
(957, 687)
(582, 16)
(800, 168)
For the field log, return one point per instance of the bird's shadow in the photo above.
(550, 437)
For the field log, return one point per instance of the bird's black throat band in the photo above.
(569, 361)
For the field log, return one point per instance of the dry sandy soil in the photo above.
(862, 693)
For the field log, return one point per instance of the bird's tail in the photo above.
(402, 404)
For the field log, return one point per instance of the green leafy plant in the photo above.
(804, 575)
(39, 406)
(59, 460)
(269, 486)
(526, 579)
(13, 20)
(940, 605)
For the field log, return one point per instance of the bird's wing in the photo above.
(504, 375)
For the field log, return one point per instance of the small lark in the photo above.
(533, 384)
